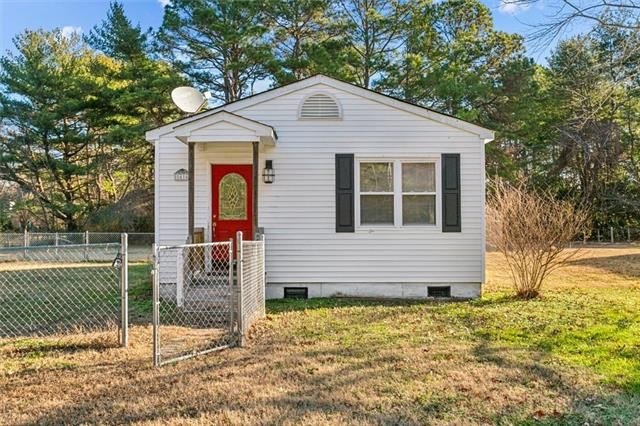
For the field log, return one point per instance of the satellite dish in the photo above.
(188, 99)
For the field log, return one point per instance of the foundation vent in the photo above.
(439, 291)
(296, 293)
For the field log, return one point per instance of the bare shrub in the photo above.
(532, 230)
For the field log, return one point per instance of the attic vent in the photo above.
(319, 106)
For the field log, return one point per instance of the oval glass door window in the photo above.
(232, 193)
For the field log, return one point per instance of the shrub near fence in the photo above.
(63, 289)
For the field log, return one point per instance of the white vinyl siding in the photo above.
(297, 212)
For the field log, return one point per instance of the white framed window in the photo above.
(397, 192)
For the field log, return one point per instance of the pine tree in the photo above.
(219, 44)
(373, 31)
(50, 139)
(135, 98)
(307, 39)
(116, 36)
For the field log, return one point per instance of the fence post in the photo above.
(611, 233)
(239, 278)
(182, 263)
(25, 241)
(124, 289)
(598, 234)
(628, 235)
(86, 245)
(264, 273)
(155, 277)
(232, 292)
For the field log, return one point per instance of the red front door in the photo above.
(232, 190)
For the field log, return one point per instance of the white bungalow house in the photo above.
(356, 193)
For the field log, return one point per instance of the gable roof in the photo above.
(253, 130)
(485, 134)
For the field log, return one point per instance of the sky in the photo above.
(82, 15)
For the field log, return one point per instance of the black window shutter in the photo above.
(451, 214)
(345, 221)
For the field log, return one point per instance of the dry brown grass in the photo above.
(279, 382)
(592, 267)
(344, 362)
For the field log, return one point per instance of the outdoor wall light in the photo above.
(268, 174)
(181, 175)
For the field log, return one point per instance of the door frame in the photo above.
(212, 194)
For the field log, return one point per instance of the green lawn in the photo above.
(597, 330)
(48, 298)
(140, 293)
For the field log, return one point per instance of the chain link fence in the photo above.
(204, 297)
(139, 242)
(71, 288)
(251, 284)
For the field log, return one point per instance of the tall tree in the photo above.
(116, 36)
(373, 31)
(144, 81)
(219, 44)
(50, 144)
(306, 38)
(135, 99)
(453, 59)
(592, 152)
(565, 13)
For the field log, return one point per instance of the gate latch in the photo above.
(117, 262)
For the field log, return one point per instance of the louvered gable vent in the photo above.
(319, 106)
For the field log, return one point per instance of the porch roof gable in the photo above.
(225, 126)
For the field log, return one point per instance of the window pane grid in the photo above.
(377, 193)
(418, 177)
(418, 209)
(409, 200)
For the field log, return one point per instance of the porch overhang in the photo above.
(224, 126)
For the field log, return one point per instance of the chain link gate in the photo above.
(193, 300)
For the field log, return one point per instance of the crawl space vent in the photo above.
(319, 106)
(296, 293)
(439, 291)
